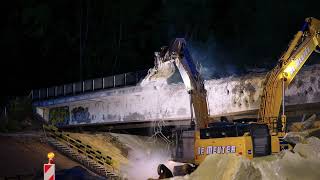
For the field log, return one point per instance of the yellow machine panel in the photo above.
(230, 145)
(241, 145)
(245, 139)
(275, 144)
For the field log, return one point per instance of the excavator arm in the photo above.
(279, 78)
(179, 54)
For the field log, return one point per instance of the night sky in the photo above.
(44, 42)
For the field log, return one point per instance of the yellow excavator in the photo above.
(278, 79)
(260, 138)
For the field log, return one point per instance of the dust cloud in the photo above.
(144, 155)
(144, 163)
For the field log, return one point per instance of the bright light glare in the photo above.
(50, 155)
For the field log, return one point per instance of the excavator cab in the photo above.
(260, 144)
(248, 139)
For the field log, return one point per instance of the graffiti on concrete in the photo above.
(59, 115)
(80, 114)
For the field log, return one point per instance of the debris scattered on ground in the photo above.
(298, 137)
(299, 131)
(311, 122)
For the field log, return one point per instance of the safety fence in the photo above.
(88, 156)
(120, 80)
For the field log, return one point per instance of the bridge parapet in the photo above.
(90, 85)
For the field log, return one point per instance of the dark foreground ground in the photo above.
(22, 157)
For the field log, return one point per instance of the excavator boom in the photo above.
(278, 79)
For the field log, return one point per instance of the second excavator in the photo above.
(259, 138)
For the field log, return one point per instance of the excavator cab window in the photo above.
(224, 129)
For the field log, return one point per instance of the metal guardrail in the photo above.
(82, 148)
(120, 80)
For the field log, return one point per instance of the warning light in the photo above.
(50, 155)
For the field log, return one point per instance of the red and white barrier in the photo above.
(49, 171)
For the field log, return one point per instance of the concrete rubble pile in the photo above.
(301, 163)
(159, 74)
(299, 131)
(311, 122)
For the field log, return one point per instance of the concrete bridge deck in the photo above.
(232, 96)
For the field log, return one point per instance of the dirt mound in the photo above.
(224, 167)
(137, 156)
(302, 163)
(107, 144)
